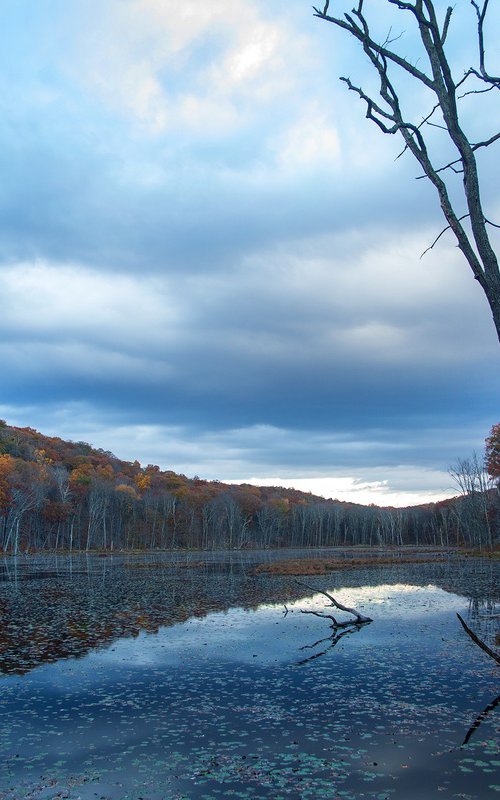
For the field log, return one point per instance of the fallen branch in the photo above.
(335, 623)
(360, 618)
(478, 641)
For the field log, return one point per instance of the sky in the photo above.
(211, 261)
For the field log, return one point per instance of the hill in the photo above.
(63, 495)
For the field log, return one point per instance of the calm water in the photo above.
(178, 678)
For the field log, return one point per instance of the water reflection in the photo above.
(55, 607)
(212, 705)
(481, 717)
(332, 640)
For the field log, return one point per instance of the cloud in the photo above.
(48, 302)
(310, 142)
(225, 170)
(293, 338)
(167, 65)
(204, 243)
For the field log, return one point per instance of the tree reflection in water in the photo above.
(213, 705)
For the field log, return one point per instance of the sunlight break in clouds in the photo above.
(357, 490)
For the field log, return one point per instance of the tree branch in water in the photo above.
(360, 618)
(478, 641)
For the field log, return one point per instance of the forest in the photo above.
(58, 495)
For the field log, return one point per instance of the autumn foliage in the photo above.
(6, 469)
(62, 495)
(493, 452)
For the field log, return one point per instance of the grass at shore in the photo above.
(322, 566)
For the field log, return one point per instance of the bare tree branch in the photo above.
(449, 12)
(493, 224)
(481, 14)
(420, 125)
(360, 618)
(475, 91)
(335, 623)
(451, 164)
(487, 142)
(350, 26)
(387, 114)
(340, 629)
(436, 240)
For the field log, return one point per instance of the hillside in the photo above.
(63, 495)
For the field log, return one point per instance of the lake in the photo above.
(169, 676)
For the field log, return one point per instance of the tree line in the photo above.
(69, 496)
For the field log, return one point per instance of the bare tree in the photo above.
(475, 485)
(463, 211)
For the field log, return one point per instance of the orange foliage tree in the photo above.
(493, 452)
(6, 468)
